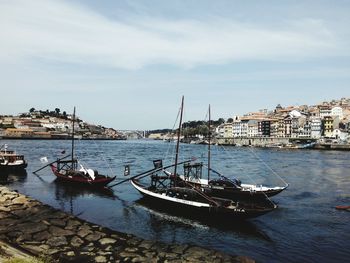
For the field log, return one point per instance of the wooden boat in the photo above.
(186, 199)
(221, 186)
(343, 207)
(67, 170)
(10, 161)
(225, 187)
(191, 201)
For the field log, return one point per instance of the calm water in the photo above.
(305, 227)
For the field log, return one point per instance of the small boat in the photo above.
(343, 207)
(66, 170)
(10, 161)
(72, 171)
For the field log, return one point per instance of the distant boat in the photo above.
(71, 171)
(10, 161)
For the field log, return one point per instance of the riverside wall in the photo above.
(254, 141)
(40, 230)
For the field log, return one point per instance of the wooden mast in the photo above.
(209, 142)
(178, 139)
(72, 153)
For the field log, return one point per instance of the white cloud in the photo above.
(60, 31)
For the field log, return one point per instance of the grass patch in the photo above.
(27, 260)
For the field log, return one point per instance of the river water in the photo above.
(306, 227)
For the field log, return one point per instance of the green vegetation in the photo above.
(28, 260)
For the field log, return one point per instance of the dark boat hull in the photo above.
(240, 194)
(98, 182)
(197, 212)
(13, 168)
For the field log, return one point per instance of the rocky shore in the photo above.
(40, 230)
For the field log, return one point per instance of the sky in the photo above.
(126, 64)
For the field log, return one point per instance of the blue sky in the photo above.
(126, 64)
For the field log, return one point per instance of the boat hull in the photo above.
(232, 193)
(13, 167)
(99, 182)
(198, 210)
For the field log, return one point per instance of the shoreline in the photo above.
(37, 229)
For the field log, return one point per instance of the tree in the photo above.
(57, 110)
(32, 110)
(229, 120)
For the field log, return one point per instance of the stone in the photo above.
(4, 209)
(20, 200)
(128, 255)
(52, 251)
(57, 222)
(21, 213)
(72, 224)
(57, 215)
(100, 259)
(94, 236)
(76, 241)
(146, 244)
(134, 241)
(107, 241)
(35, 249)
(139, 259)
(57, 241)
(131, 249)
(14, 234)
(45, 235)
(197, 252)
(67, 256)
(178, 248)
(84, 230)
(57, 231)
(31, 228)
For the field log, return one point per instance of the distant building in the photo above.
(328, 126)
(17, 133)
(337, 112)
(228, 130)
(316, 128)
(266, 128)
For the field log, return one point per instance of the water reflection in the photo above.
(160, 216)
(66, 193)
(12, 177)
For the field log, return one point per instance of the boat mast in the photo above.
(178, 138)
(73, 135)
(209, 142)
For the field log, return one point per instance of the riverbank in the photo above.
(284, 143)
(37, 229)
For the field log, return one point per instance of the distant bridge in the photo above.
(133, 134)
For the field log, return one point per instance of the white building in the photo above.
(253, 128)
(337, 112)
(325, 111)
(316, 128)
(228, 131)
(220, 131)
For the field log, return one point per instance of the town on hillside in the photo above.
(38, 124)
(326, 122)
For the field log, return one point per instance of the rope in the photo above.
(267, 166)
(247, 174)
(171, 150)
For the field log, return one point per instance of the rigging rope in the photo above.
(268, 167)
